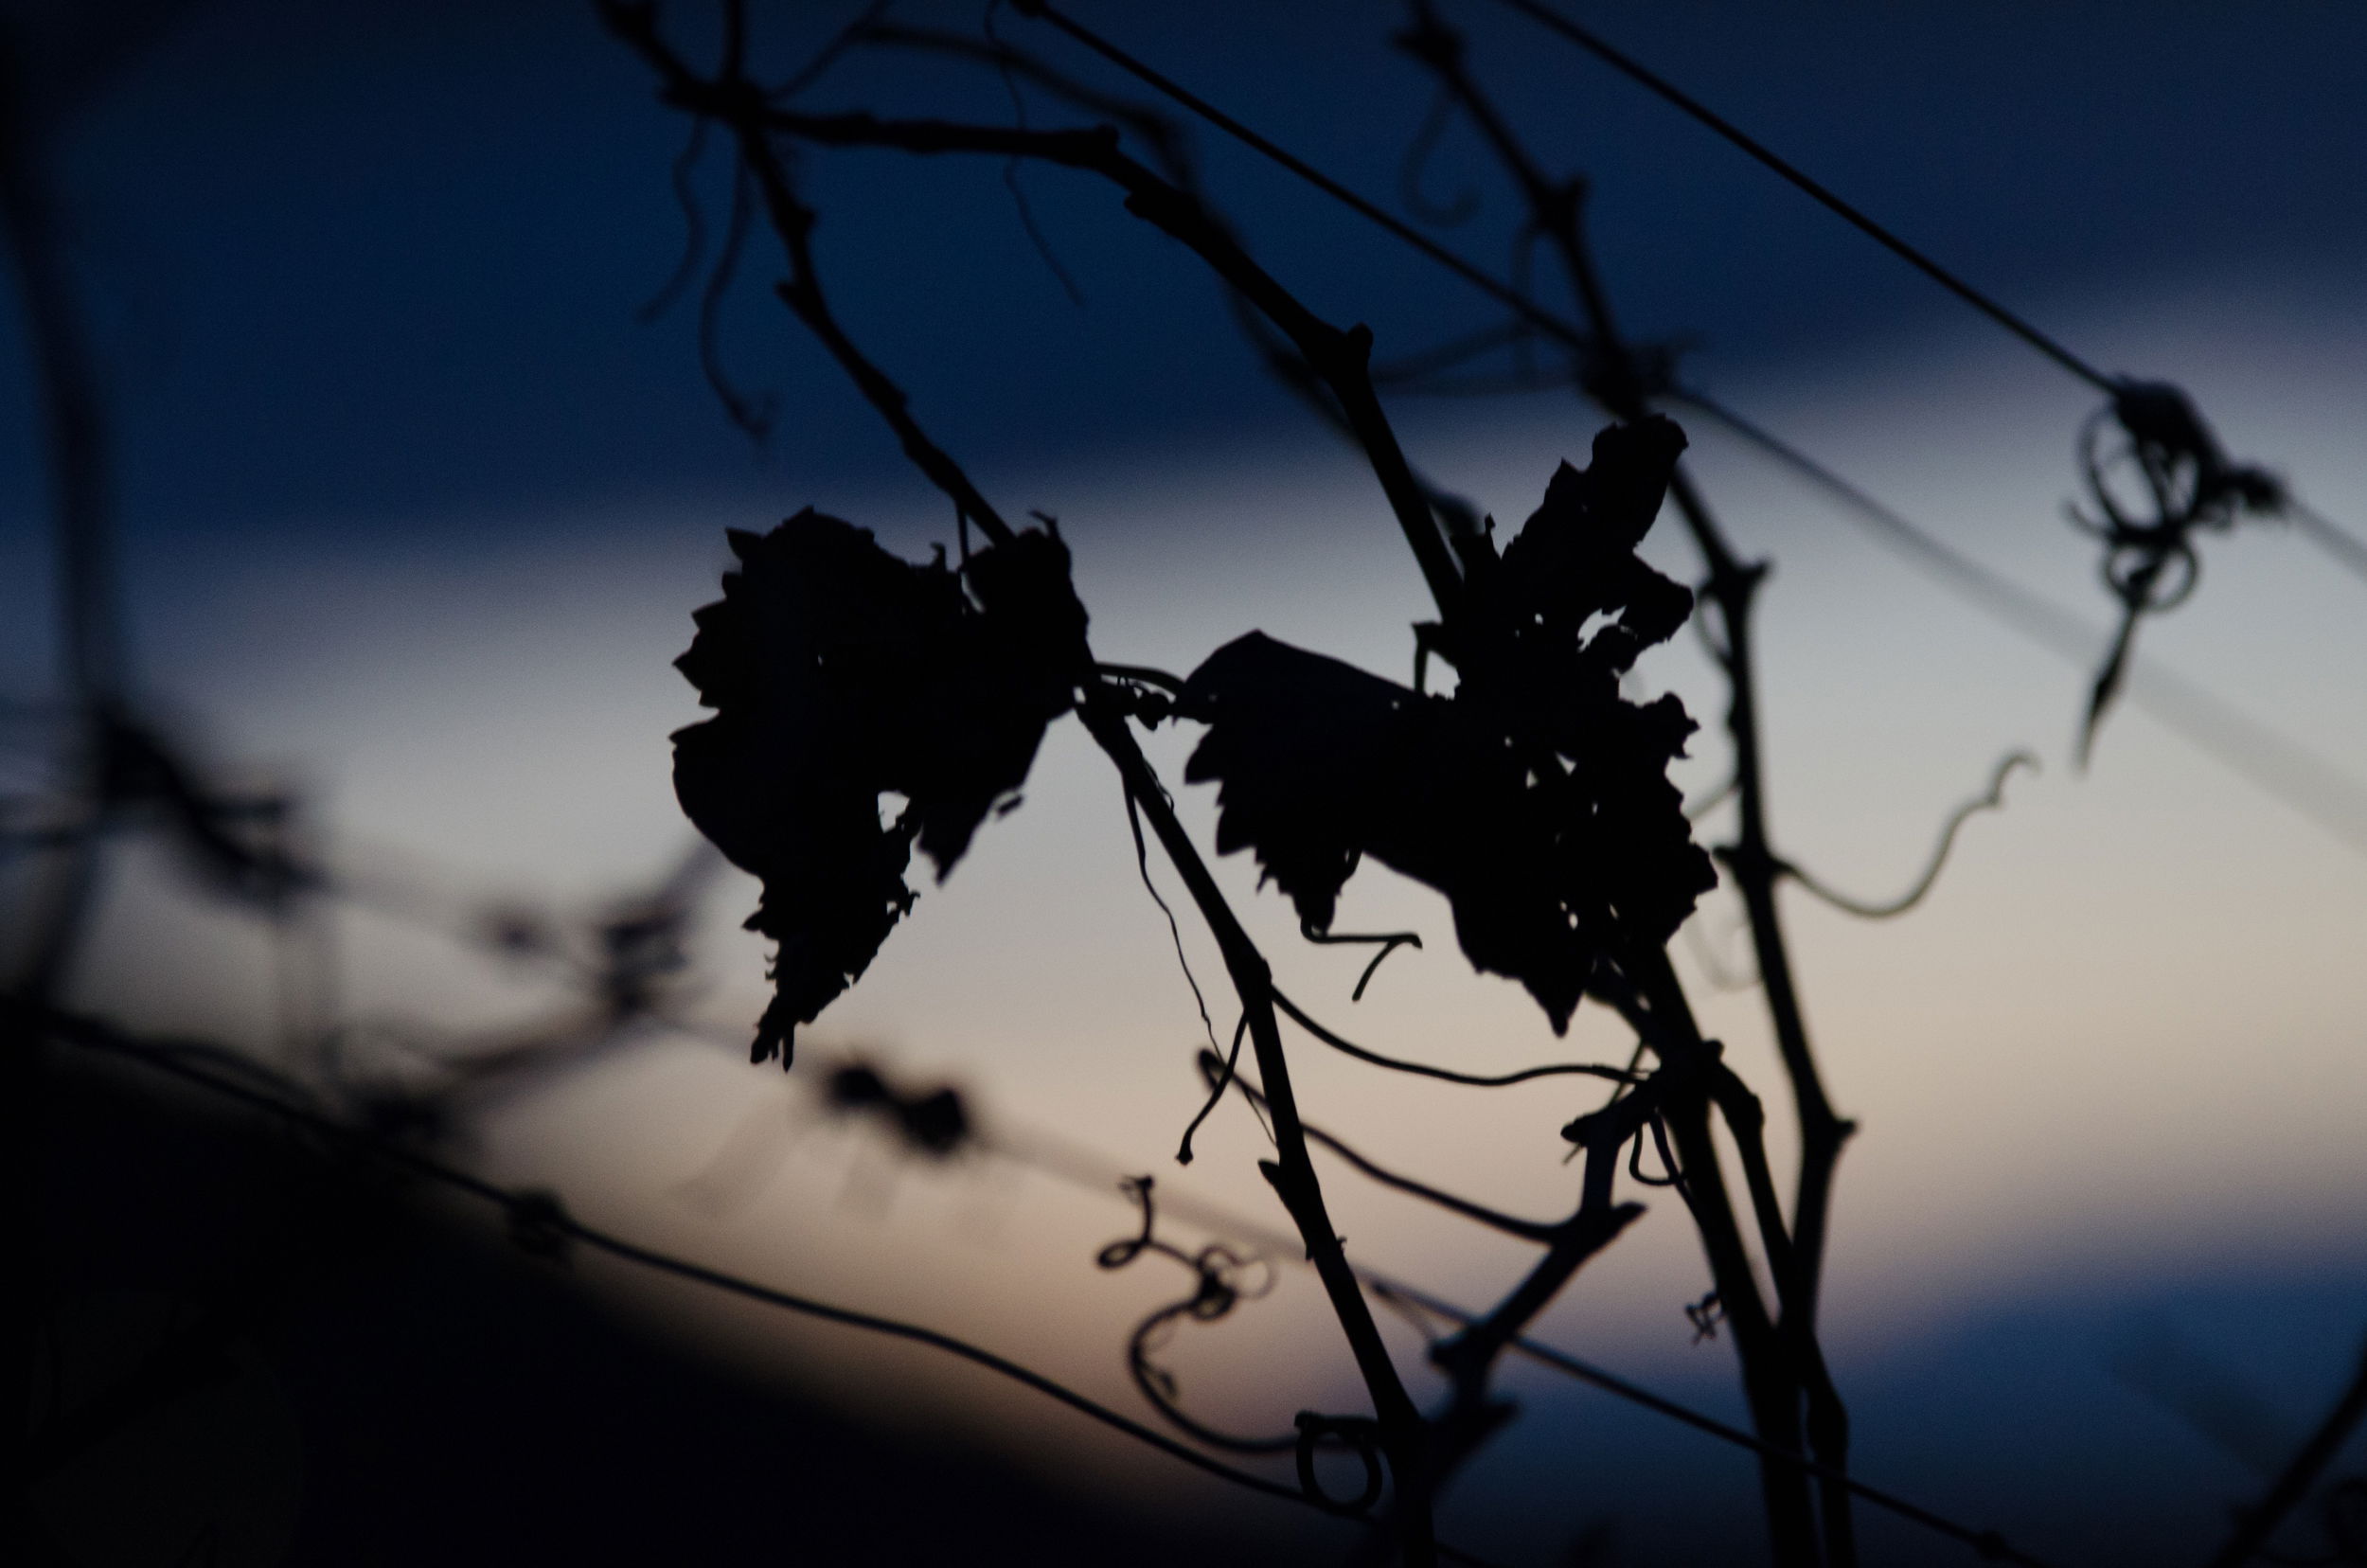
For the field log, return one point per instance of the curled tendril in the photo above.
(752, 412)
(1992, 799)
(1669, 1176)
(1359, 1435)
(694, 227)
(1218, 1287)
(2184, 481)
(1117, 1255)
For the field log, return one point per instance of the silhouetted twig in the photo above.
(1511, 298)
(1215, 1290)
(1218, 1074)
(229, 1073)
(1229, 1064)
(1628, 66)
(1656, 377)
(1622, 383)
(694, 247)
(540, 1216)
(1782, 1365)
(2271, 762)
(2256, 1524)
(1340, 356)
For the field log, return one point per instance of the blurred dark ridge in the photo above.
(252, 1357)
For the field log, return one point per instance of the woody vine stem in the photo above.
(1782, 1366)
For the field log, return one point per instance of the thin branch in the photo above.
(1510, 298)
(1052, 1154)
(1171, 150)
(2302, 780)
(539, 1218)
(1213, 1296)
(742, 109)
(226, 1073)
(751, 413)
(2271, 762)
(1773, 1377)
(1293, 1175)
(1159, 133)
(694, 248)
(1219, 1073)
(2259, 1521)
(1989, 1546)
(1470, 1358)
(1770, 1382)
(1026, 210)
(839, 43)
(1402, 1434)
(1340, 356)
(89, 595)
(1555, 22)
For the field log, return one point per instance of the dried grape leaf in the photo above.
(839, 675)
(1537, 797)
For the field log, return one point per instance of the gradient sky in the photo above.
(377, 264)
(416, 510)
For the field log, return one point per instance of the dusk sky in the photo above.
(378, 263)
(415, 508)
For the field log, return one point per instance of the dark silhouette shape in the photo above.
(543, 1227)
(2188, 482)
(1217, 1288)
(2255, 752)
(934, 1122)
(1537, 797)
(2346, 1506)
(1387, 941)
(1510, 696)
(840, 674)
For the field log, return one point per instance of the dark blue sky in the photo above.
(379, 262)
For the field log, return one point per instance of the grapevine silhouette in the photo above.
(872, 714)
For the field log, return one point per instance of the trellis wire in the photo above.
(546, 1216)
(2007, 602)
